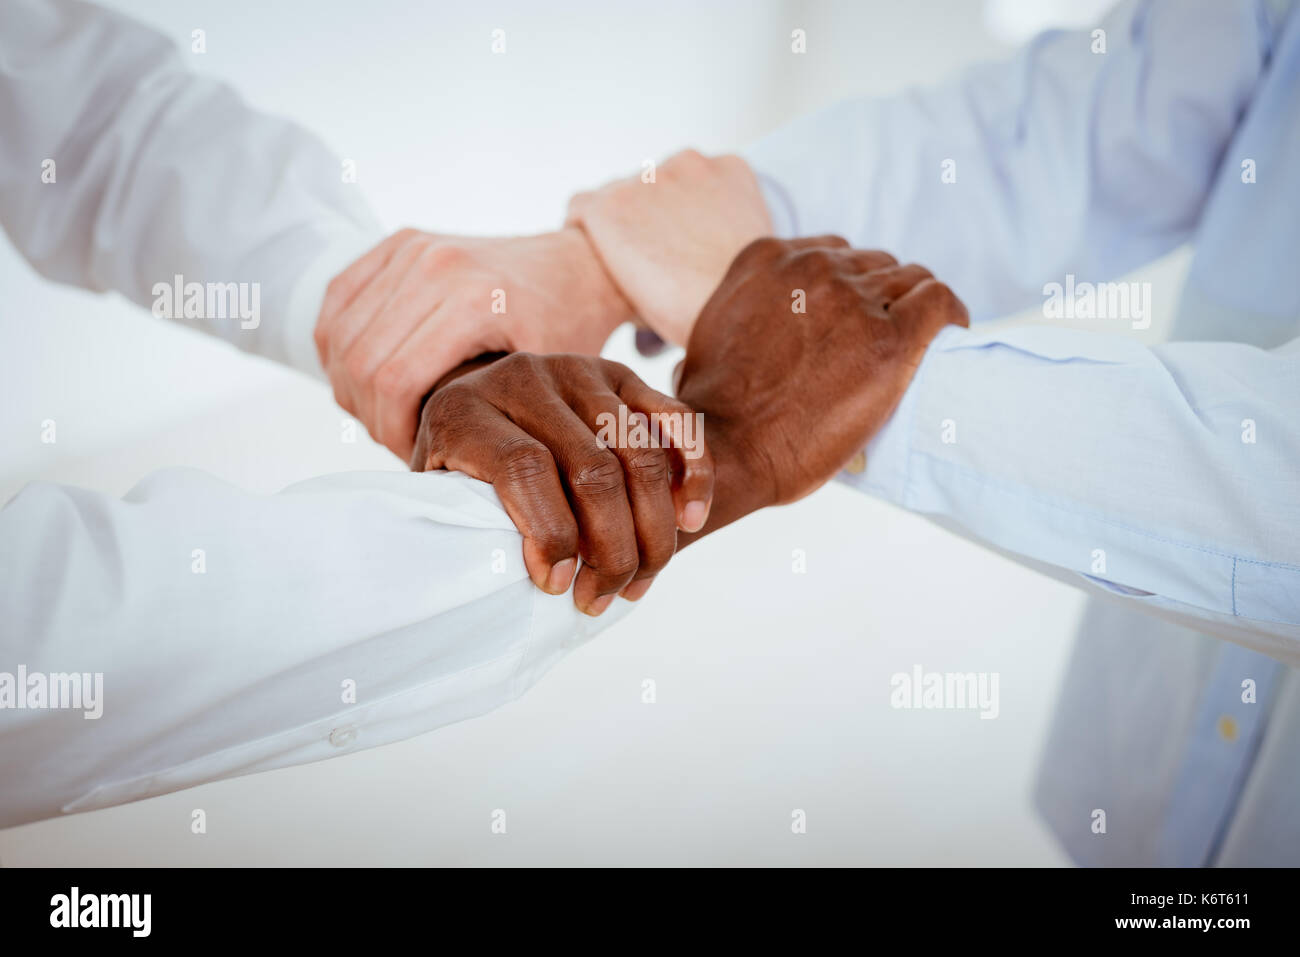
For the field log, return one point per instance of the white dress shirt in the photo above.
(1166, 477)
(233, 632)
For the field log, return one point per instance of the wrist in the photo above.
(307, 296)
(609, 307)
(744, 481)
(667, 241)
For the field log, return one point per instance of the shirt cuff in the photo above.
(888, 453)
(308, 293)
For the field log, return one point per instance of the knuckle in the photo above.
(524, 459)
(616, 566)
(729, 162)
(658, 548)
(656, 557)
(561, 363)
(619, 197)
(932, 292)
(947, 301)
(616, 371)
(512, 360)
(357, 366)
(836, 293)
(446, 417)
(518, 363)
(623, 568)
(817, 263)
(440, 259)
(874, 260)
(344, 399)
(518, 369)
(765, 247)
(393, 378)
(446, 403)
(535, 376)
(648, 467)
(579, 203)
(557, 536)
(687, 160)
(600, 475)
(524, 456)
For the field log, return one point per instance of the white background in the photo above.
(773, 687)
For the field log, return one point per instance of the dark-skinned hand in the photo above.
(529, 426)
(790, 397)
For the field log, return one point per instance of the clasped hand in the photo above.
(786, 399)
(794, 360)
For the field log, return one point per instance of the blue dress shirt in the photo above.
(1164, 479)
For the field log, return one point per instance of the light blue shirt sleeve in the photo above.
(1164, 475)
(1059, 160)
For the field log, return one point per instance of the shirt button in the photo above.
(858, 464)
(342, 737)
(1228, 728)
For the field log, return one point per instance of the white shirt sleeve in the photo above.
(213, 632)
(121, 170)
(192, 631)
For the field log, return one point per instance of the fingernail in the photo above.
(597, 607)
(636, 591)
(694, 515)
(557, 583)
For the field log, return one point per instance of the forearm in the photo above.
(1165, 476)
(1066, 158)
(121, 170)
(238, 632)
